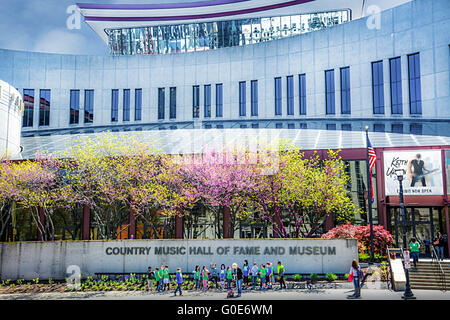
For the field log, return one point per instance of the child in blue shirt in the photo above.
(222, 274)
(179, 279)
(245, 273)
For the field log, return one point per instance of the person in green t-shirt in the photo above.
(414, 246)
(229, 277)
(262, 277)
(166, 277)
(205, 274)
(197, 277)
(160, 279)
(281, 270)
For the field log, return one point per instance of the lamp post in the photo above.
(399, 173)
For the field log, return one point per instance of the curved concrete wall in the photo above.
(11, 110)
(418, 26)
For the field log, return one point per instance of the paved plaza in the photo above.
(313, 294)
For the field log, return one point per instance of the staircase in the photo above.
(427, 275)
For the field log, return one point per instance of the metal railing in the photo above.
(394, 251)
(435, 261)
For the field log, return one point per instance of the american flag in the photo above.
(372, 160)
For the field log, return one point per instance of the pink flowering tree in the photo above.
(219, 180)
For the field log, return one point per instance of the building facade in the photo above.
(11, 112)
(232, 64)
(393, 77)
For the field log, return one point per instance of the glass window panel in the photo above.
(114, 105)
(242, 98)
(254, 92)
(138, 104)
(295, 25)
(44, 107)
(207, 100)
(265, 29)
(275, 28)
(219, 100)
(126, 105)
(74, 106)
(28, 101)
(290, 95)
(161, 103)
(278, 97)
(302, 93)
(173, 103)
(88, 106)
(329, 92)
(195, 101)
(285, 26)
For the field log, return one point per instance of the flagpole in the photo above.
(369, 197)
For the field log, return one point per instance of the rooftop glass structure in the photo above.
(166, 39)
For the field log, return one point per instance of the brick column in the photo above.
(226, 223)
(86, 223)
(329, 223)
(179, 227)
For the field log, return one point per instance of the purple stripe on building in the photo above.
(200, 16)
(157, 6)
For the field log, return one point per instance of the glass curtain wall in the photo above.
(218, 34)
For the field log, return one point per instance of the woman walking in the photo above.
(355, 274)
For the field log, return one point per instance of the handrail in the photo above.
(440, 269)
(389, 252)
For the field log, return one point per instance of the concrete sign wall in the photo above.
(29, 260)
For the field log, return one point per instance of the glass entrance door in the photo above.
(419, 223)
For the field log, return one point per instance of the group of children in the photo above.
(222, 278)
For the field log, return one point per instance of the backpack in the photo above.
(361, 274)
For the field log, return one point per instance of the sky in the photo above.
(40, 25)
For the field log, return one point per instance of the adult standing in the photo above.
(239, 277)
(414, 246)
(439, 245)
(355, 274)
(281, 270)
(150, 278)
(246, 272)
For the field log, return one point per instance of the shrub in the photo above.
(297, 277)
(346, 276)
(331, 277)
(381, 237)
(314, 276)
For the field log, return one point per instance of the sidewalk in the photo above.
(317, 294)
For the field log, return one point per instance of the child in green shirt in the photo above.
(205, 273)
(262, 277)
(166, 278)
(229, 277)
